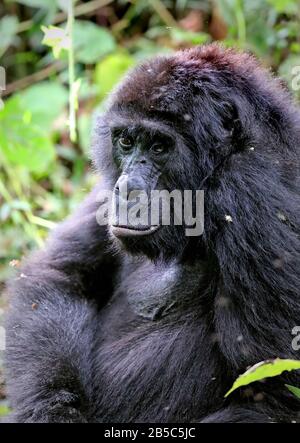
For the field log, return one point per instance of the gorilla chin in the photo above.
(154, 243)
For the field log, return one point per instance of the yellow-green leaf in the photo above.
(109, 71)
(4, 410)
(264, 369)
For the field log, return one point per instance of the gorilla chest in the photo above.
(155, 291)
(156, 360)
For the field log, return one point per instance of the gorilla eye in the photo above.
(158, 149)
(126, 143)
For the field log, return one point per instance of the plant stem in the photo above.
(34, 78)
(241, 23)
(72, 94)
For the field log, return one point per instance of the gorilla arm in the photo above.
(51, 321)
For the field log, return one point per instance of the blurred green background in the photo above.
(43, 174)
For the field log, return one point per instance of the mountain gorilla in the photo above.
(123, 323)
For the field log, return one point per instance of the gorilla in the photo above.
(139, 323)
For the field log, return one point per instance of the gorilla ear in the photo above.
(233, 126)
(231, 121)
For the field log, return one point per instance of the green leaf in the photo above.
(8, 31)
(91, 42)
(284, 6)
(294, 390)
(4, 410)
(109, 71)
(21, 142)
(45, 101)
(196, 38)
(264, 369)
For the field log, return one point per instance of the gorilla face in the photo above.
(149, 156)
(142, 155)
(145, 156)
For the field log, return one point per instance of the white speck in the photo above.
(187, 117)
(228, 218)
(281, 216)
(240, 338)
(251, 149)
(23, 276)
(278, 263)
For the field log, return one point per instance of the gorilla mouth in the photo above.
(132, 231)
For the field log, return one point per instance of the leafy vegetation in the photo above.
(265, 369)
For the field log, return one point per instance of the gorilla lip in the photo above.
(126, 231)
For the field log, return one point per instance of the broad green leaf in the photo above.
(196, 38)
(21, 142)
(144, 48)
(8, 31)
(294, 390)
(91, 42)
(45, 101)
(109, 71)
(264, 369)
(284, 6)
(4, 410)
(295, 47)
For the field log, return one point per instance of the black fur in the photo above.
(84, 343)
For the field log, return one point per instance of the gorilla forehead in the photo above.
(169, 84)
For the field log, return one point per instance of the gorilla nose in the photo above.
(128, 188)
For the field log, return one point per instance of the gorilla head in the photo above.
(179, 123)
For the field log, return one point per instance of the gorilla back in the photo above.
(138, 322)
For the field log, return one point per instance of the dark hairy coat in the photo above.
(76, 351)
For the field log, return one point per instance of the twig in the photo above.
(33, 78)
(164, 14)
